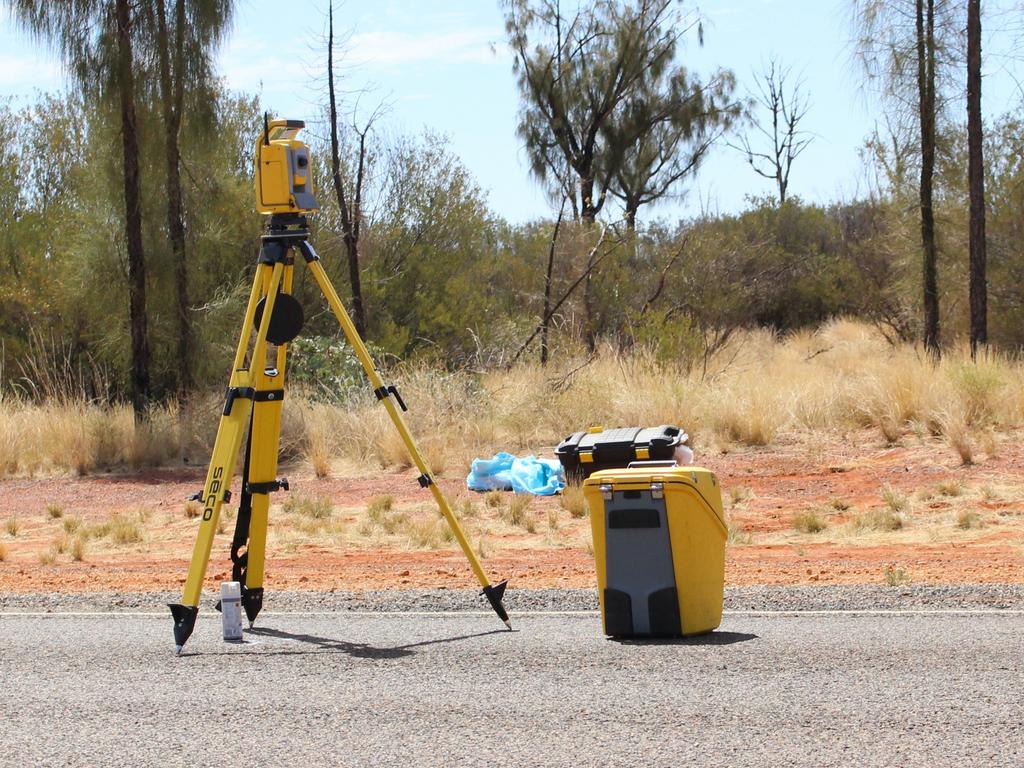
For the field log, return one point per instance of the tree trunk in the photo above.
(546, 317)
(629, 213)
(588, 207)
(926, 94)
(589, 308)
(976, 180)
(172, 96)
(133, 213)
(588, 215)
(349, 217)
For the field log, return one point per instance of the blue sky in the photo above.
(443, 65)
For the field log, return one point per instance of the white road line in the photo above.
(528, 614)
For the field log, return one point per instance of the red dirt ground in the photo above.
(764, 488)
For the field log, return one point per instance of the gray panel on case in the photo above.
(638, 559)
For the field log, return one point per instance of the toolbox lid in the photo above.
(621, 443)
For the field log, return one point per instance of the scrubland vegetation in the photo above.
(845, 375)
(788, 322)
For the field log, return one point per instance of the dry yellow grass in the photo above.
(424, 533)
(881, 519)
(315, 507)
(120, 529)
(843, 375)
(516, 511)
(810, 521)
(739, 495)
(466, 508)
(553, 523)
(954, 487)
(895, 577)
(738, 535)
(78, 549)
(967, 519)
(573, 501)
(483, 549)
(894, 500)
(319, 452)
(83, 437)
(379, 506)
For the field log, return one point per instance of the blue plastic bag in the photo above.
(505, 472)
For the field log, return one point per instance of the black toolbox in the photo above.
(582, 453)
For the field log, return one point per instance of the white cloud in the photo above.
(21, 73)
(464, 46)
(249, 61)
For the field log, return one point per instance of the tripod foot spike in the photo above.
(252, 603)
(184, 622)
(494, 593)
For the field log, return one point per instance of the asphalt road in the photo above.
(812, 689)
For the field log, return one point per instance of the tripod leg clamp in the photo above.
(425, 481)
(391, 389)
(234, 393)
(268, 487)
(198, 496)
(307, 251)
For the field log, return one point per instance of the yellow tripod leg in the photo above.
(262, 477)
(492, 592)
(262, 481)
(225, 448)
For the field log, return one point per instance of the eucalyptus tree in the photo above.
(349, 193)
(907, 49)
(976, 181)
(662, 132)
(183, 45)
(95, 41)
(600, 88)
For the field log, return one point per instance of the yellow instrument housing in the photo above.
(690, 502)
(284, 178)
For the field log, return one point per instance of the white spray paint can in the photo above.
(231, 610)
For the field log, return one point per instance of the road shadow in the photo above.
(357, 650)
(712, 638)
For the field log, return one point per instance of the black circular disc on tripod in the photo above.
(285, 322)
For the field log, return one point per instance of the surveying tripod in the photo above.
(254, 398)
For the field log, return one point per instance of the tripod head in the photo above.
(284, 180)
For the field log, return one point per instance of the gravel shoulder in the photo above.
(954, 597)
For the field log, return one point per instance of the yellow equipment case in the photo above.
(659, 546)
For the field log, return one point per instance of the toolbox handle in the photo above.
(644, 464)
